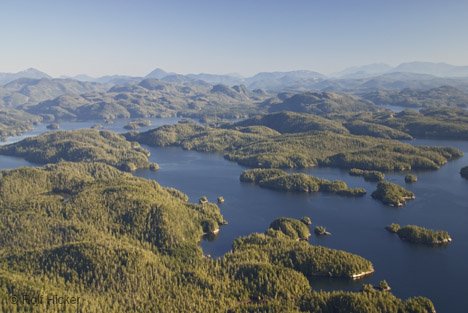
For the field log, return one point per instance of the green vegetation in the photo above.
(420, 235)
(15, 122)
(137, 124)
(297, 182)
(291, 122)
(150, 98)
(81, 145)
(375, 130)
(126, 244)
(283, 249)
(321, 231)
(320, 103)
(154, 167)
(411, 178)
(393, 228)
(392, 194)
(373, 176)
(294, 229)
(464, 172)
(435, 97)
(438, 123)
(269, 150)
(306, 220)
(384, 286)
(369, 300)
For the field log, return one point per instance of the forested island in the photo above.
(261, 146)
(373, 176)
(298, 182)
(81, 145)
(420, 235)
(392, 194)
(411, 178)
(82, 226)
(107, 233)
(134, 125)
(293, 228)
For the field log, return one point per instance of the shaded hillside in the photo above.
(154, 98)
(126, 244)
(14, 122)
(25, 92)
(442, 123)
(320, 103)
(325, 148)
(291, 122)
(444, 96)
(80, 145)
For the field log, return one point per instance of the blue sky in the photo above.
(245, 36)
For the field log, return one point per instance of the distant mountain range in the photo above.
(29, 73)
(408, 84)
(29, 91)
(428, 68)
(378, 74)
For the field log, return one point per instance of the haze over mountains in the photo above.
(35, 94)
(267, 80)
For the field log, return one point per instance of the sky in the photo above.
(133, 37)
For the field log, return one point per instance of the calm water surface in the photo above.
(357, 224)
(117, 126)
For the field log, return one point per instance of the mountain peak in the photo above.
(158, 73)
(31, 73)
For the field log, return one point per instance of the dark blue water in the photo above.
(357, 224)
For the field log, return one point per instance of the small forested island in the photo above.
(392, 194)
(306, 220)
(420, 235)
(464, 172)
(373, 176)
(87, 145)
(293, 228)
(295, 140)
(134, 125)
(101, 222)
(297, 182)
(411, 178)
(154, 167)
